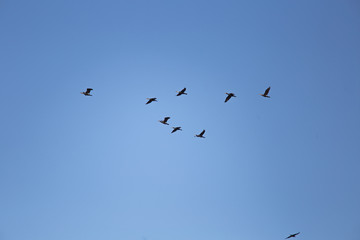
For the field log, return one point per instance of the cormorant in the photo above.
(165, 120)
(201, 135)
(87, 93)
(266, 93)
(292, 235)
(151, 100)
(229, 95)
(175, 129)
(181, 92)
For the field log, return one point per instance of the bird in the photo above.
(201, 135)
(181, 92)
(229, 95)
(292, 235)
(165, 120)
(87, 93)
(266, 93)
(151, 100)
(175, 129)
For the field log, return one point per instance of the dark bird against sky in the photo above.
(87, 93)
(229, 95)
(165, 120)
(201, 135)
(176, 129)
(292, 235)
(266, 93)
(181, 92)
(151, 100)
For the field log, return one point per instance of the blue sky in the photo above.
(103, 167)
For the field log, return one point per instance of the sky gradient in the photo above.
(103, 167)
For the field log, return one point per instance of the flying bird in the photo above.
(151, 100)
(229, 95)
(175, 129)
(292, 235)
(165, 120)
(87, 93)
(181, 92)
(201, 135)
(266, 93)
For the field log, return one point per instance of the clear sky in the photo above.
(103, 167)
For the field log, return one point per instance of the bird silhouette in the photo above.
(176, 129)
(292, 235)
(266, 93)
(229, 95)
(201, 135)
(87, 93)
(181, 92)
(165, 120)
(151, 100)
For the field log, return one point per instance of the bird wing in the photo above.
(88, 90)
(149, 101)
(202, 133)
(166, 118)
(181, 92)
(267, 91)
(296, 233)
(227, 98)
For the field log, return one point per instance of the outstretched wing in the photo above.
(228, 98)
(88, 90)
(181, 92)
(292, 235)
(267, 91)
(151, 100)
(202, 133)
(166, 119)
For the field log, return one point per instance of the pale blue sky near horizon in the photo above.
(103, 167)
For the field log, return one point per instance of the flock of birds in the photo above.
(179, 93)
(182, 92)
(201, 135)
